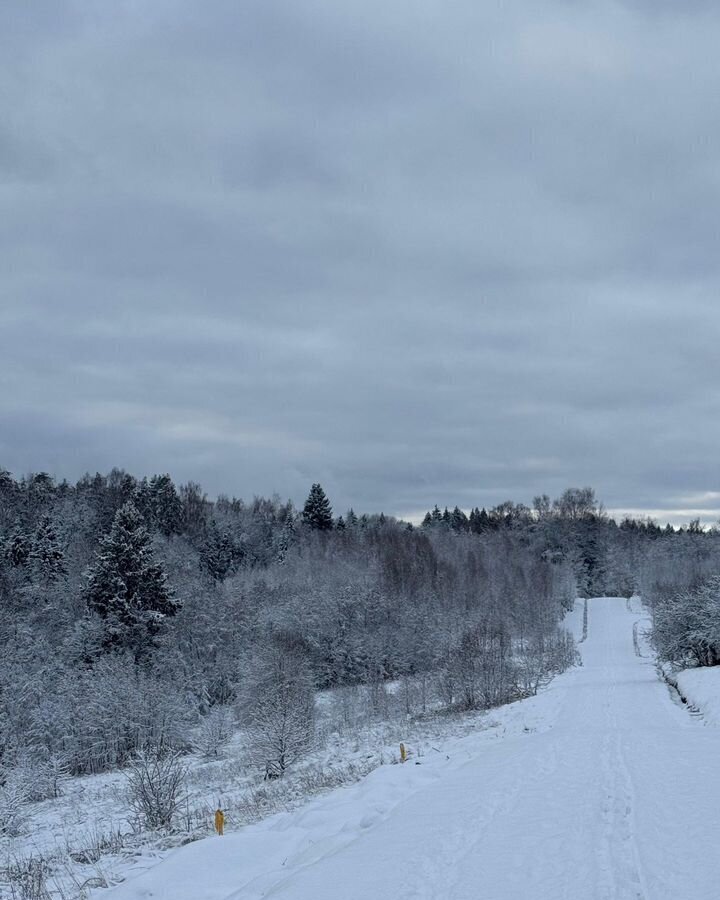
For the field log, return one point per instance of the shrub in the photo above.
(156, 787)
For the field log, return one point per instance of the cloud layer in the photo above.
(415, 251)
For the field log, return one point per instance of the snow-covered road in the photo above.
(602, 787)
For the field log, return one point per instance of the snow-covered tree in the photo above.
(46, 558)
(17, 547)
(127, 587)
(167, 508)
(281, 711)
(317, 512)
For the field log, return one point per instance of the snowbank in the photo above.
(700, 688)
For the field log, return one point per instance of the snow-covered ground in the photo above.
(85, 837)
(601, 787)
(700, 689)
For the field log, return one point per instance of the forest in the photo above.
(137, 614)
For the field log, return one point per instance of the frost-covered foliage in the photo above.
(686, 625)
(13, 802)
(214, 731)
(156, 786)
(137, 616)
(680, 582)
(280, 709)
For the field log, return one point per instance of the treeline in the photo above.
(677, 571)
(135, 613)
(680, 582)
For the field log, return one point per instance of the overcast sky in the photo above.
(417, 251)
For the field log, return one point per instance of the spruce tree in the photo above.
(167, 508)
(484, 522)
(17, 548)
(46, 557)
(458, 520)
(218, 553)
(317, 512)
(126, 586)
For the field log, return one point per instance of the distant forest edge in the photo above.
(134, 610)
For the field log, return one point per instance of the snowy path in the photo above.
(610, 791)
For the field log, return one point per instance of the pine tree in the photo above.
(427, 521)
(351, 519)
(126, 587)
(318, 512)
(340, 524)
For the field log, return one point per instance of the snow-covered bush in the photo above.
(541, 658)
(479, 671)
(13, 808)
(686, 625)
(156, 787)
(280, 710)
(27, 878)
(214, 731)
(38, 776)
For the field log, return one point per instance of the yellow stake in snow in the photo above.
(219, 821)
(403, 753)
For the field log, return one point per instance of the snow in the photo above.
(599, 788)
(700, 688)
(87, 835)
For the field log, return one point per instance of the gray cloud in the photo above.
(415, 252)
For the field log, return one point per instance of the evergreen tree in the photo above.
(17, 548)
(351, 519)
(218, 553)
(166, 505)
(483, 521)
(286, 538)
(126, 587)
(458, 520)
(340, 524)
(46, 558)
(318, 512)
(8, 496)
(427, 521)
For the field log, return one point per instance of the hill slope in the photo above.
(601, 787)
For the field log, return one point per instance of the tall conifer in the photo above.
(318, 512)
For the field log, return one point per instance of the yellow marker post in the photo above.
(219, 821)
(403, 753)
